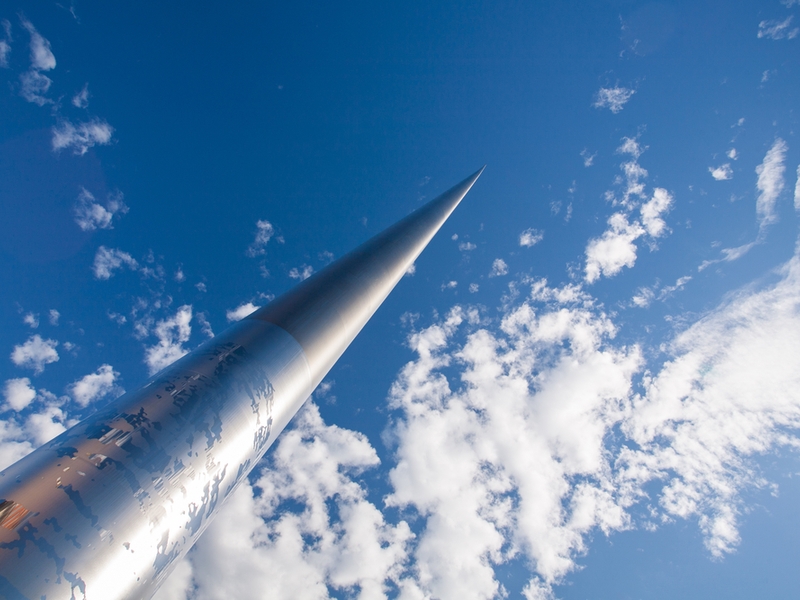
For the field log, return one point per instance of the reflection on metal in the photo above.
(106, 509)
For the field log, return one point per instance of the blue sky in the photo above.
(587, 389)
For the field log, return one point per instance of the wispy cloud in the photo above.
(35, 353)
(304, 272)
(777, 30)
(81, 99)
(81, 136)
(264, 233)
(770, 183)
(530, 237)
(588, 157)
(33, 83)
(613, 99)
(91, 215)
(797, 189)
(108, 260)
(5, 43)
(722, 172)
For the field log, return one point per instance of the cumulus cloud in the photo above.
(732, 154)
(81, 136)
(466, 246)
(81, 99)
(31, 320)
(19, 393)
(778, 30)
(264, 233)
(652, 212)
(615, 249)
(95, 385)
(53, 316)
(241, 311)
(530, 237)
(301, 273)
(473, 288)
(450, 285)
(499, 267)
(171, 333)
(722, 172)
(35, 353)
(91, 215)
(770, 183)
(305, 529)
(613, 98)
(108, 260)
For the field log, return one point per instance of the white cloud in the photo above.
(450, 285)
(643, 297)
(722, 172)
(613, 98)
(651, 211)
(777, 30)
(172, 333)
(732, 154)
(53, 316)
(81, 99)
(205, 326)
(106, 261)
(35, 353)
(797, 190)
(411, 270)
(770, 183)
(90, 215)
(473, 288)
(588, 158)
(241, 311)
(95, 385)
(499, 267)
(31, 320)
(201, 287)
(42, 58)
(81, 136)
(302, 273)
(789, 3)
(466, 246)
(5, 44)
(34, 86)
(304, 530)
(608, 254)
(530, 237)
(19, 393)
(264, 233)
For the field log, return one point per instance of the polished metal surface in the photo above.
(106, 509)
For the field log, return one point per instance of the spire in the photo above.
(325, 312)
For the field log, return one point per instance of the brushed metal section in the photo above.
(326, 311)
(113, 503)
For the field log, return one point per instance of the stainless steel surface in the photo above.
(106, 509)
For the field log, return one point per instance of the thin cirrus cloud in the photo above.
(778, 30)
(5, 43)
(613, 98)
